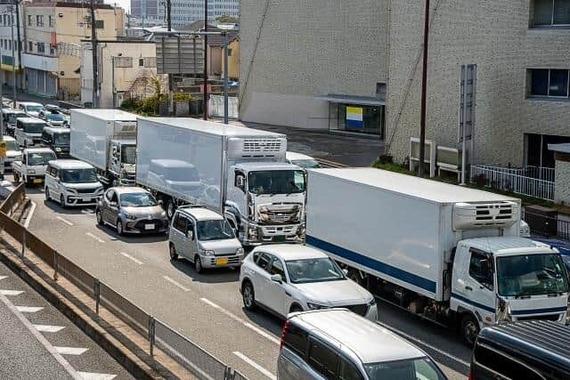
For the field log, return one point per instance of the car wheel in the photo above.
(99, 217)
(46, 194)
(172, 250)
(120, 230)
(248, 296)
(295, 308)
(62, 201)
(170, 208)
(469, 330)
(198, 264)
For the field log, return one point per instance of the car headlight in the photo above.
(316, 306)
(58, 149)
(129, 216)
(31, 171)
(163, 215)
(207, 252)
(239, 251)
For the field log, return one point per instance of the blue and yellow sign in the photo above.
(354, 117)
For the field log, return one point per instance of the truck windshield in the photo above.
(12, 145)
(421, 368)
(214, 230)
(276, 182)
(40, 158)
(78, 176)
(527, 275)
(313, 270)
(129, 154)
(61, 138)
(34, 127)
(13, 116)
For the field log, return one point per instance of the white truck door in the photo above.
(479, 290)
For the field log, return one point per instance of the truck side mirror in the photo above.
(240, 181)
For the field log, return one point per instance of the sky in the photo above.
(125, 4)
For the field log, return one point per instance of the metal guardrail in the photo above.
(517, 181)
(180, 348)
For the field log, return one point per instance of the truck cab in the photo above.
(32, 167)
(9, 116)
(29, 131)
(122, 161)
(266, 202)
(507, 279)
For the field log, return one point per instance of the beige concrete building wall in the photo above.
(306, 49)
(496, 37)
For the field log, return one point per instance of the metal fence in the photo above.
(549, 226)
(180, 348)
(530, 181)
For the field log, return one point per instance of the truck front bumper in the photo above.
(291, 233)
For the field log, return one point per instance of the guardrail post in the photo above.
(55, 266)
(151, 333)
(229, 373)
(97, 291)
(23, 243)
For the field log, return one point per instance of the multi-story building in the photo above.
(10, 52)
(324, 65)
(183, 12)
(52, 51)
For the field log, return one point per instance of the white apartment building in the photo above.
(325, 65)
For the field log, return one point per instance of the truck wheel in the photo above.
(170, 208)
(248, 296)
(469, 329)
(198, 264)
(173, 254)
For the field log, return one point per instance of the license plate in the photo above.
(38, 180)
(279, 238)
(86, 199)
(221, 261)
(149, 226)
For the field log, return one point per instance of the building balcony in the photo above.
(40, 62)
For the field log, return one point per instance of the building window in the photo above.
(40, 20)
(41, 47)
(51, 21)
(123, 62)
(30, 20)
(51, 50)
(229, 52)
(549, 83)
(150, 62)
(30, 46)
(99, 24)
(551, 12)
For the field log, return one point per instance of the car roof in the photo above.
(292, 251)
(201, 213)
(297, 156)
(369, 341)
(57, 129)
(70, 164)
(32, 120)
(39, 150)
(8, 138)
(129, 189)
(31, 104)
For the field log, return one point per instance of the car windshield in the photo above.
(527, 275)
(129, 154)
(79, 175)
(61, 138)
(313, 270)
(214, 230)
(12, 145)
(306, 163)
(40, 158)
(411, 369)
(34, 127)
(142, 199)
(55, 117)
(276, 182)
(31, 108)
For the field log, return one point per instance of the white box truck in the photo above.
(237, 171)
(106, 139)
(447, 253)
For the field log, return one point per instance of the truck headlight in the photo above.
(207, 252)
(31, 171)
(239, 251)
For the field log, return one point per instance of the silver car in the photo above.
(131, 210)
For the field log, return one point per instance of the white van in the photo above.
(29, 131)
(339, 344)
(72, 183)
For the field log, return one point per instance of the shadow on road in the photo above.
(209, 276)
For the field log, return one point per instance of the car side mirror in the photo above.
(190, 234)
(276, 278)
(160, 202)
(345, 271)
(113, 204)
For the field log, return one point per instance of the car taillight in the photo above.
(283, 332)
(469, 375)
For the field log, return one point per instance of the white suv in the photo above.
(286, 278)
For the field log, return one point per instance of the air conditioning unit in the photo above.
(468, 216)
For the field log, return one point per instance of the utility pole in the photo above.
(170, 84)
(18, 47)
(226, 54)
(423, 94)
(14, 87)
(206, 60)
(95, 56)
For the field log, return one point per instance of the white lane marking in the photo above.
(419, 341)
(86, 211)
(64, 220)
(49, 328)
(95, 237)
(238, 319)
(11, 292)
(175, 283)
(30, 214)
(255, 365)
(95, 376)
(3, 277)
(28, 309)
(74, 374)
(130, 258)
(70, 350)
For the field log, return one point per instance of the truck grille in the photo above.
(548, 317)
(279, 214)
(261, 146)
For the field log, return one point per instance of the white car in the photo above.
(301, 160)
(32, 109)
(286, 278)
(13, 152)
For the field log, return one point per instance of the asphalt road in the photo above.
(38, 342)
(207, 308)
